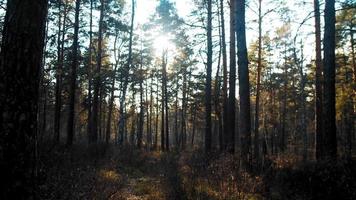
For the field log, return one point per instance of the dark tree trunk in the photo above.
(194, 124)
(232, 82)
(208, 81)
(329, 140)
(224, 64)
(59, 73)
(142, 108)
(20, 64)
(258, 87)
(282, 139)
(184, 110)
(73, 78)
(112, 98)
(57, 106)
(165, 102)
(217, 106)
(89, 71)
(176, 135)
(244, 89)
(163, 132)
(318, 84)
(122, 113)
(149, 115)
(97, 80)
(157, 116)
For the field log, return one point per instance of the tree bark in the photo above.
(142, 108)
(318, 84)
(244, 89)
(258, 87)
(232, 82)
(112, 95)
(329, 140)
(97, 80)
(126, 80)
(89, 71)
(20, 64)
(163, 131)
(59, 73)
(73, 78)
(224, 64)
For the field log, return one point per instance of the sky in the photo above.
(145, 8)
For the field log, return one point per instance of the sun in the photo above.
(163, 43)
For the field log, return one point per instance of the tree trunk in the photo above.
(165, 100)
(329, 140)
(224, 89)
(258, 87)
(89, 71)
(97, 79)
(176, 136)
(232, 82)
(71, 124)
(157, 116)
(141, 118)
(59, 73)
(208, 81)
(244, 89)
(126, 80)
(184, 109)
(318, 85)
(112, 95)
(20, 64)
(163, 132)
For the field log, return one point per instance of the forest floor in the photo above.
(102, 172)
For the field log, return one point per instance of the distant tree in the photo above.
(73, 78)
(208, 134)
(62, 29)
(97, 79)
(125, 78)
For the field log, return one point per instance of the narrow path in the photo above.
(155, 179)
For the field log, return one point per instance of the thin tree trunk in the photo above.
(318, 85)
(282, 144)
(163, 141)
(258, 87)
(90, 68)
(224, 89)
(111, 103)
(166, 101)
(184, 111)
(97, 80)
(71, 124)
(232, 82)
(126, 80)
(59, 73)
(194, 125)
(141, 122)
(178, 138)
(157, 116)
(218, 128)
(208, 81)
